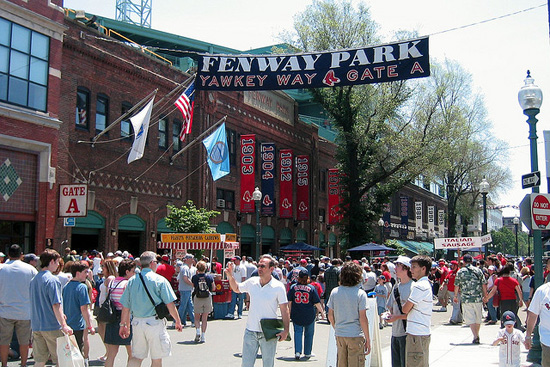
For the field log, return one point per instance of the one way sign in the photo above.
(530, 180)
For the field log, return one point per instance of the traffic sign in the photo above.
(530, 180)
(525, 212)
(69, 222)
(540, 211)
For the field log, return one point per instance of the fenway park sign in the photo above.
(385, 63)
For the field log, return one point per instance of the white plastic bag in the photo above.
(68, 354)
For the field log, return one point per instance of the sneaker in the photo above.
(308, 356)
(381, 326)
(197, 338)
(85, 362)
(229, 316)
(443, 309)
(297, 356)
(476, 340)
(203, 338)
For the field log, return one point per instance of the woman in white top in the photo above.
(109, 274)
(525, 282)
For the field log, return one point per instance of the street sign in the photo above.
(540, 211)
(530, 180)
(525, 212)
(73, 200)
(69, 222)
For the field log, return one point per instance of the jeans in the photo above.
(307, 332)
(457, 313)
(251, 342)
(398, 355)
(492, 310)
(186, 307)
(236, 300)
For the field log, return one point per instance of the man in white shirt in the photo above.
(418, 309)
(369, 281)
(239, 273)
(540, 308)
(266, 295)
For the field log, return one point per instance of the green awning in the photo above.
(331, 239)
(92, 220)
(248, 235)
(322, 242)
(225, 227)
(301, 235)
(161, 226)
(268, 235)
(285, 237)
(131, 222)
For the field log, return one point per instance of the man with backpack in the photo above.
(202, 299)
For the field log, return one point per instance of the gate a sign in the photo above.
(540, 211)
(73, 200)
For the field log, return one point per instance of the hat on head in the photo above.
(467, 258)
(404, 260)
(492, 267)
(442, 261)
(382, 277)
(110, 254)
(165, 258)
(303, 274)
(2, 254)
(118, 253)
(508, 318)
(30, 257)
(303, 261)
(188, 256)
(454, 262)
(179, 263)
(236, 258)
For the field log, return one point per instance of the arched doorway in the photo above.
(285, 237)
(248, 238)
(131, 231)
(268, 239)
(301, 235)
(85, 234)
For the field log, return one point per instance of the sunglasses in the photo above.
(262, 266)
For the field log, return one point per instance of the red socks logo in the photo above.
(330, 79)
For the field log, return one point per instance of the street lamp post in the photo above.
(257, 197)
(516, 223)
(530, 100)
(381, 225)
(484, 190)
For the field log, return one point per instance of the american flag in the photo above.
(185, 104)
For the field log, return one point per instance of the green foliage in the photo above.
(190, 219)
(504, 240)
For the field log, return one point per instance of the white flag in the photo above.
(140, 122)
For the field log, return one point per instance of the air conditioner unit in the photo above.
(220, 203)
(80, 14)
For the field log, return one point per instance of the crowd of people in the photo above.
(45, 297)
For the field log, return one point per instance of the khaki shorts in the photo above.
(350, 351)
(44, 345)
(202, 305)
(150, 336)
(545, 355)
(22, 329)
(472, 313)
(417, 350)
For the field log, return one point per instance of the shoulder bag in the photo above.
(161, 309)
(107, 312)
(397, 298)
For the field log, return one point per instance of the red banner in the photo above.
(285, 183)
(334, 215)
(248, 154)
(302, 187)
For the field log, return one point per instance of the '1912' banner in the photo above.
(248, 154)
(285, 183)
(302, 187)
(334, 215)
(384, 63)
(268, 178)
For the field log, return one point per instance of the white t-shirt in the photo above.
(239, 272)
(509, 353)
(264, 301)
(540, 305)
(391, 268)
(97, 265)
(420, 316)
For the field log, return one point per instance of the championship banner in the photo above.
(333, 196)
(267, 151)
(386, 217)
(441, 222)
(384, 63)
(418, 216)
(431, 219)
(404, 210)
(302, 187)
(285, 184)
(248, 154)
(462, 242)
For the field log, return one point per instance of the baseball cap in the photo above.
(508, 318)
(404, 260)
(30, 257)
(110, 254)
(492, 267)
(236, 258)
(165, 258)
(303, 273)
(467, 258)
(382, 277)
(454, 262)
(188, 256)
(2, 254)
(118, 253)
(179, 263)
(442, 261)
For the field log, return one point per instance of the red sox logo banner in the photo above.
(377, 64)
(302, 187)
(268, 178)
(286, 201)
(334, 214)
(248, 154)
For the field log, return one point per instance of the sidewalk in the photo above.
(451, 345)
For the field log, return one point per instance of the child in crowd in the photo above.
(510, 341)
(381, 298)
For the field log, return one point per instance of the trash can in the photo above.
(221, 299)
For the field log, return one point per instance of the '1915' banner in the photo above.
(285, 183)
(334, 215)
(302, 187)
(268, 178)
(248, 151)
(384, 63)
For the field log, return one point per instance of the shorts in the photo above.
(202, 305)
(526, 296)
(150, 336)
(22, 329)
(472, 313)
(381, 310)
(112, 335)
(45, 344)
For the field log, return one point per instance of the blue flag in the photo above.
(217, 153)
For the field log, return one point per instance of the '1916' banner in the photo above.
(268, 178)
(334, 215)
(302, 187)
(384, 63)
(285, 183)
(248, 151)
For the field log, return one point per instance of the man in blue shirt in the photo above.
(149, 332)
(47, 319)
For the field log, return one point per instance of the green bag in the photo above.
(272, 327)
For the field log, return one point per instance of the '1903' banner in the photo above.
(384, 63)
(302, 187)
(268, 178)
(248, 154)
(285, 183)
(334, 215)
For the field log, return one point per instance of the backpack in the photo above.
(202, 290)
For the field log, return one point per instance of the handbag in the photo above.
(272, 327)
(496, 297)
(161, 309)
(68, 354)
(107, 312)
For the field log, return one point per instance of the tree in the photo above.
(190, 219)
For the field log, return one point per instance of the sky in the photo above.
(496, 53)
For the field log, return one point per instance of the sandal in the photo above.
(102, 358)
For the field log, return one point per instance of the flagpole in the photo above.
(198, 138)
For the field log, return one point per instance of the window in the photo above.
(322, 216)
(24, 56)
(228, 198)
(163, 126)
(176, 129)
(82, 107)
(101, 112)
(232, 146)
(322, 180)
(126, 129)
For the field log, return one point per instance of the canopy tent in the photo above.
(300, 246)
(196, 241)
(371, 247)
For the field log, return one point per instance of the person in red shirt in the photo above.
(216, 266)
(456, 317)
(442, 294)
(502, 259)
(508, 287)
(165, 269)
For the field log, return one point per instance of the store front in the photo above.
(86, 234)
(131, 234)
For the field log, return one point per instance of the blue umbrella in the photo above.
(371, 247)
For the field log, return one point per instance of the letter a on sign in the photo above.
(73, 200)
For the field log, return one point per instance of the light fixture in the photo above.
(113, 232)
